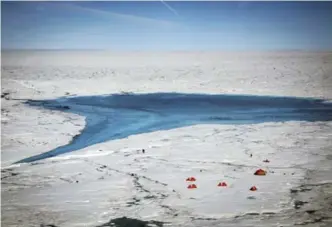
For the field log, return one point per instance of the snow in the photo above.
(112, 179)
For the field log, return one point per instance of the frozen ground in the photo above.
(108, 180)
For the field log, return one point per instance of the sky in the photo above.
(170, 26)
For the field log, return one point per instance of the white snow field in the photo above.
(109, 180)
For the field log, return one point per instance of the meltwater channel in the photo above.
(117, 116)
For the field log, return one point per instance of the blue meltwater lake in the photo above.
(117, 116)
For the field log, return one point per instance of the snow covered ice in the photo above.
(108, 176)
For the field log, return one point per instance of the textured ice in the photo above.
(112, 179)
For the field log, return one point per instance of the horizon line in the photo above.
(171, 50)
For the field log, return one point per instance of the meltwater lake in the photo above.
(117, 116)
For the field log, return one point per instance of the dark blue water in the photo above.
(121, 115)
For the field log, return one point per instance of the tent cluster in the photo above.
(191, 179)
(222, 184)
(259, 172)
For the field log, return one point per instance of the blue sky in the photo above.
(167, 26)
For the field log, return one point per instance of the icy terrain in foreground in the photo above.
(108, 180)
